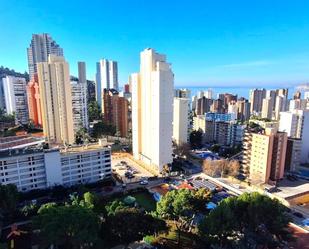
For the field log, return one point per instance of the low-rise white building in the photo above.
(38, 168)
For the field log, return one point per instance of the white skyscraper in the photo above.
(79, 105)
(152, 110)
(296, 124)
(297, 104)
(2, 100)
(15, 98)
(180, 120)
(106, 77)
(40, 47)
(209, 94)
(280, 106)
(113, 75)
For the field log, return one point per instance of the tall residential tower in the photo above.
(56, 100)
(106, 77)
(40, 47)
(152, 110)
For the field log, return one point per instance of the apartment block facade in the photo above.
(152, 110)
(56, 100)
(264, 155)
(41, 46)
(79, 105)
(180, 120)
(115, 111)
(34, 168)
(34, 101)
(15, 96)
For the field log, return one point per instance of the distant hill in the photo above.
(6, 71)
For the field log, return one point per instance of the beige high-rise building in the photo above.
(264, 155)
(56, 100)
(180, 120)
(267, 108)
(152, 110)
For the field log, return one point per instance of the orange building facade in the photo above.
(115, 111)
(34, 104)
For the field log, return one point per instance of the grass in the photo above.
(145, 200)
(170, 239)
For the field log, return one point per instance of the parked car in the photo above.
(124, 185)
(143, 182)
(299, 215)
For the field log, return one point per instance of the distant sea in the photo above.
(240, 91)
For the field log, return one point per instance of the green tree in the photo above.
(8, 198)
(177, 205)
(6, 117)
(113, 207)
(100, 129)
(70, 226)
(129, 225)
(94, 112)
(196, 139)
(200, 198)
(29, 209)
(81, 135)
(89, 200)
(247, 221)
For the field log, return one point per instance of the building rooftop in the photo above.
(289, 189)
(38, 148)
(88, 147)
(15, 142)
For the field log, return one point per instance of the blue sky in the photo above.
(209, 43)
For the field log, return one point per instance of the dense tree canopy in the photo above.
(129, 224)
(70, 226)
(246, 221)
(8, 198)
(115, 206)
(101, 128)
(200, 198)
(196, 139)
(177, 205)
(94, 112)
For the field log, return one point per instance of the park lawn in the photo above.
(145, 200)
